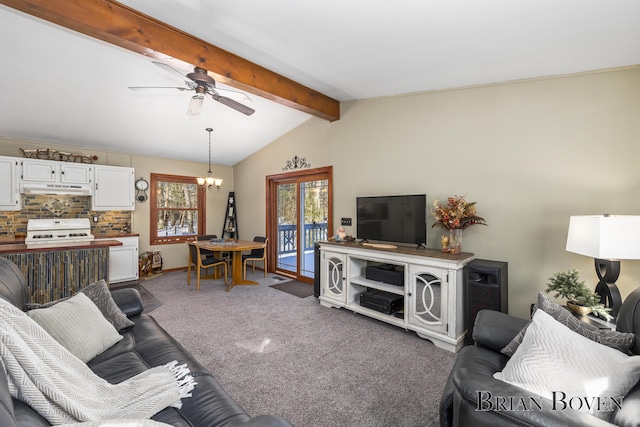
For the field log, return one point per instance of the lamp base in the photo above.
(608, 272)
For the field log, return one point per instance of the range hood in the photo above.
(56, 189)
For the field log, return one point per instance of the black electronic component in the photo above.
(384, 302)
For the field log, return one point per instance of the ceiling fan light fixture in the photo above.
(195, 106)
(209, 180)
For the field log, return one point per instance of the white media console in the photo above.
(431, 287)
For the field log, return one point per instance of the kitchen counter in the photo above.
(6, 240)
(115, 235)
(60, 246)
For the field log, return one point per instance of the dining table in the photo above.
(235, 247)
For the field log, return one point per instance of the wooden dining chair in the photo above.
(256, 255)
(202, 262)
(204, 252)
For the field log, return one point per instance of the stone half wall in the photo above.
(56, 274)
(14, 224)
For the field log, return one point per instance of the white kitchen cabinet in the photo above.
(429, 298)
(113, 188)
(49, 171)
(75, 173)
(123, 260)
(10, 199)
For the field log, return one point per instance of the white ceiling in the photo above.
(61, 87)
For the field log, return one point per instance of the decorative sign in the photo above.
(49, 154)
(296, 163)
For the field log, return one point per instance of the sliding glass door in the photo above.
(299, 217)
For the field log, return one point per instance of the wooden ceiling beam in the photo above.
(122, 26)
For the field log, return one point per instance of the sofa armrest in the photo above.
(267, 421)
(494, 329)
(129, 301)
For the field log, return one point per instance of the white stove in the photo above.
(51, 231)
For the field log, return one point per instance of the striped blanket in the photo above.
(63, 389)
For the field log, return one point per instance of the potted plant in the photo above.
(580, 299)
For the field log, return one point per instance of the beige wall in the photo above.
(174, 255)
(530, 153)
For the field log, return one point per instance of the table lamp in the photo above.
(608, 239)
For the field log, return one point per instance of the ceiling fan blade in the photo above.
(234, 104)
(170, 69)
(195, 106)
(157, 87)
(235, 94)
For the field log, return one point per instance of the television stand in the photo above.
(430, 289)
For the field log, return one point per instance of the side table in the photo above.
(590, 319)
(596, 321)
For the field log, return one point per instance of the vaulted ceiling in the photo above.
(295, 60)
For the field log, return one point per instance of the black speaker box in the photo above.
(486, 287)
(386, 274)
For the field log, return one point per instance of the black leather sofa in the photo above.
(144, 345)
(476, 364)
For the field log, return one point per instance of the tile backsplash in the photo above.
(14, 223)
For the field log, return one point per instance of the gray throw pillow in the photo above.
(99, 293)
(78, 325)
(619, 340)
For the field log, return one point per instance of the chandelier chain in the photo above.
(209, 130)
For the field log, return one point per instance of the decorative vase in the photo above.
(578, 309)
(455, 240)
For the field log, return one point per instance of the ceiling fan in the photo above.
(203, 84)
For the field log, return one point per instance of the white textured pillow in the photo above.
(553, 360)
(78, 325)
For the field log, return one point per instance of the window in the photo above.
(177, 209)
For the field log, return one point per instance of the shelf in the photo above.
(363, 281)
(389, 318)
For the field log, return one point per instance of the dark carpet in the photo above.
(150, 302)
(295, 287)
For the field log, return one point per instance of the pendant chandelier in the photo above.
(209, 180)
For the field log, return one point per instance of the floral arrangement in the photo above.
(457, 213)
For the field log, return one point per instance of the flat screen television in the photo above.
(397, 219)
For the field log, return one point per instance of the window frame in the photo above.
(201, 193)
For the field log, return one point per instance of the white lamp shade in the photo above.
(605, 237)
